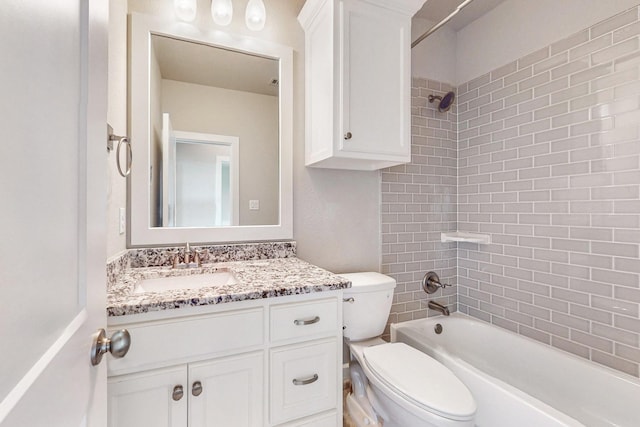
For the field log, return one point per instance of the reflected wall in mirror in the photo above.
(213, 114)
(210, 90)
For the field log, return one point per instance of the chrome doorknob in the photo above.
(118, 345)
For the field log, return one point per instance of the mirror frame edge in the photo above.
(139, 233)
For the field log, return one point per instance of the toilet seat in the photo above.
(421, 380)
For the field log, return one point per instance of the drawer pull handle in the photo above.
(306, 381)
(196, 389)
(178, 392)
(350, 300)
(302, 322)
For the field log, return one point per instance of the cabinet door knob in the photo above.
(305, 381)
(196, 388)
(178, 392)
(302, 322)
(348, 135)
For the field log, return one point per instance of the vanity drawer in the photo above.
(303, 380)
(162, 343)
(304, 320)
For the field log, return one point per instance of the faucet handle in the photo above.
(176, 261)
(196, 258)
(431, 282)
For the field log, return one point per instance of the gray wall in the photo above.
(549, 166)
(418, 203)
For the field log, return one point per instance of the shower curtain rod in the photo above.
(441, 23)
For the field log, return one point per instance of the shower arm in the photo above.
(441, 23)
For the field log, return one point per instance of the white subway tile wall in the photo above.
(418, 203)
(549, 166)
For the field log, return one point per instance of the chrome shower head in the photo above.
(446, 101)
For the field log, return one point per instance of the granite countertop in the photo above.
(265, 278)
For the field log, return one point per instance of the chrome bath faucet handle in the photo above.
(431, 282)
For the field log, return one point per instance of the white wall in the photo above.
(336, 213)
(250, 116)
(519, 27)
(435, 56)
(512, 30)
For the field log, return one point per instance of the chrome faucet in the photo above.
(438, 307)
(191, 258)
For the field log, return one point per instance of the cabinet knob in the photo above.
(196, 388)
(178, 392)
(348, 135)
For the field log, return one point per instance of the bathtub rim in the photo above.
(457, 315)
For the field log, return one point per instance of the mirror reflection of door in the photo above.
(199, 178)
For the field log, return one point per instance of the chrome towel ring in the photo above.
(121, 140)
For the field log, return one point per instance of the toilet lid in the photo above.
(421, 379)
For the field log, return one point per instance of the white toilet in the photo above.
(395, 385)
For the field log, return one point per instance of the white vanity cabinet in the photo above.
(269, 362)
(145, 399)
(225, 392)
(358, 82)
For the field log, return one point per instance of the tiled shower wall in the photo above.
(549, 166)
(419, 202)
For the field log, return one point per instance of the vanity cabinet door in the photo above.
(227, 392)
(375, 81)
(149, 399)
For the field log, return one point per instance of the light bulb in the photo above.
(221, 11)
(255, 15)
(185, 9)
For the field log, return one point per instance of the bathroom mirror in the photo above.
(211, 131)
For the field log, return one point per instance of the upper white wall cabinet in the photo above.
(358, 82)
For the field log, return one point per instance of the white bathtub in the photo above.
(518, 382)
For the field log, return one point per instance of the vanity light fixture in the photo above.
(185, 9)
(222, 11)
(255, 15)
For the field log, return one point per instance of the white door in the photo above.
(53, 194)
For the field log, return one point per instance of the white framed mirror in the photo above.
(211, 130)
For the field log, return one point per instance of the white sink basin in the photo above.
(192, 281)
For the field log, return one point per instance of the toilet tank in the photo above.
(366, 316)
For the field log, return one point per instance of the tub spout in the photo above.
(438, 307)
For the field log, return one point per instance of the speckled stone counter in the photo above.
(265, 278)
